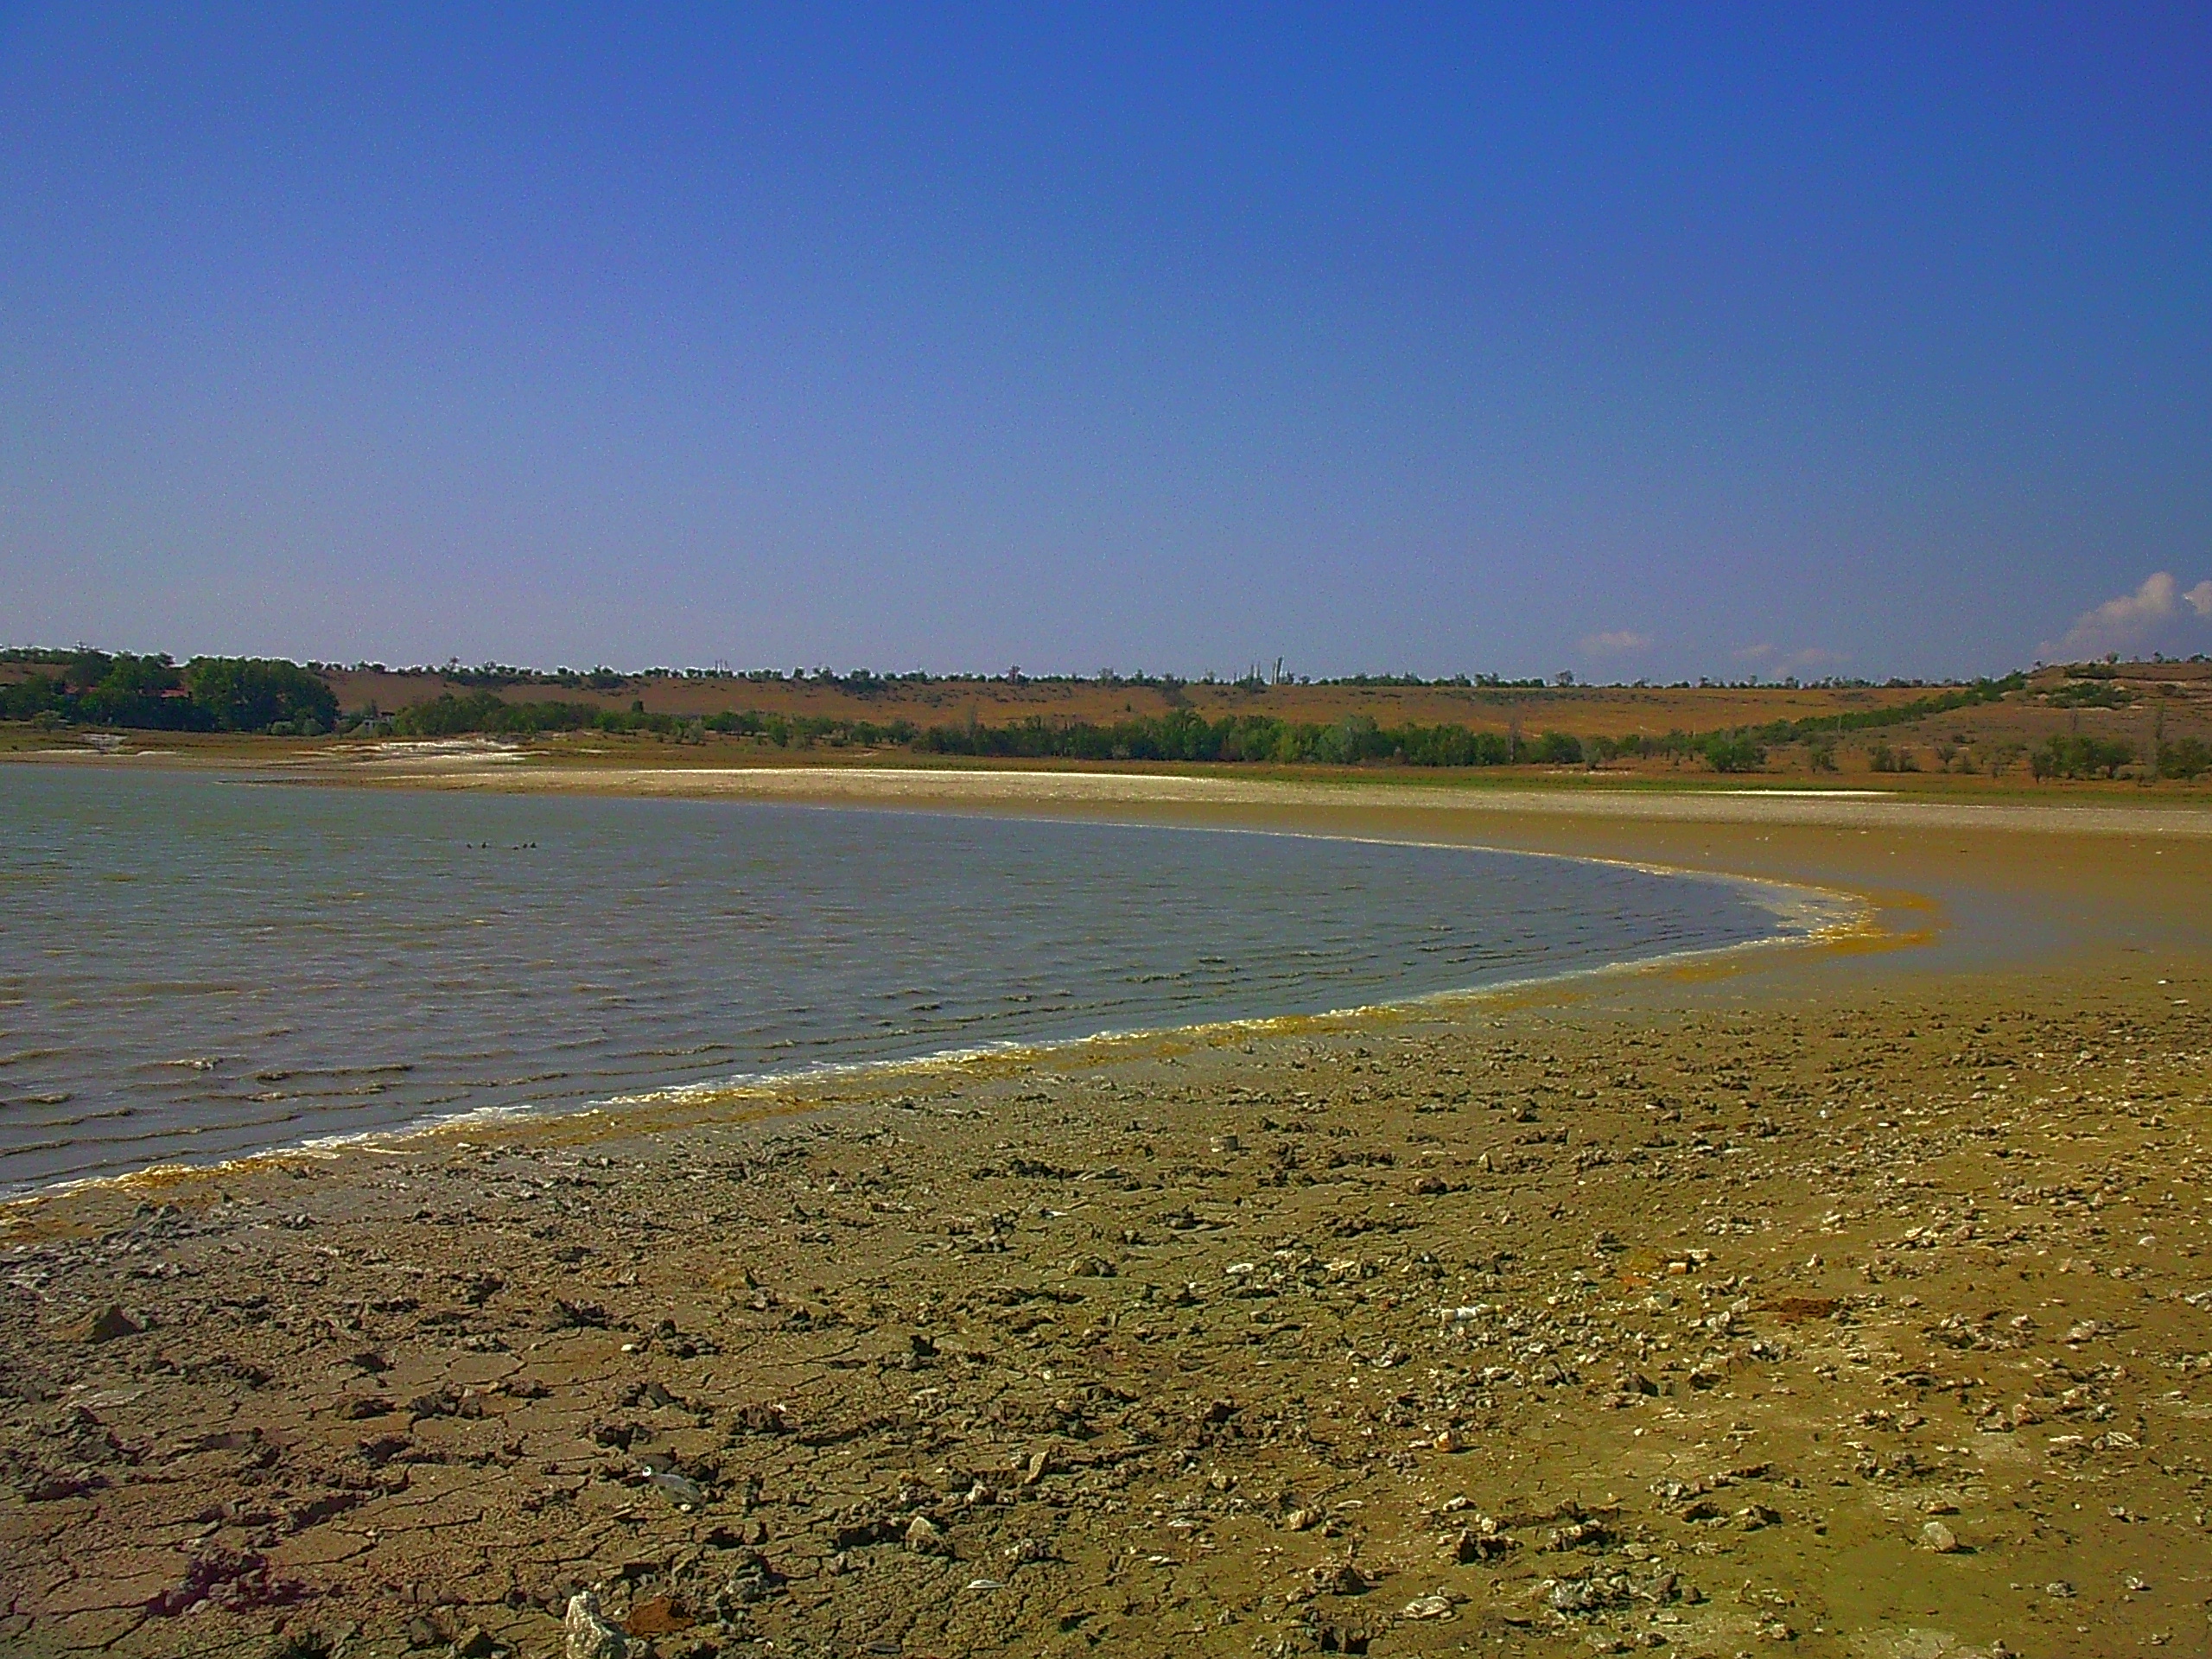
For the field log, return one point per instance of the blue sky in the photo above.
(1630, 342)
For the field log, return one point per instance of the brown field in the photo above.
(1974, 752)
(1613, 711)
(1975, 749)
(2181, 690)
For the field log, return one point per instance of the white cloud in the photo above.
(1622, 641)
(2126, 619)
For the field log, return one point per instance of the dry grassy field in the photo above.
(1975, 748)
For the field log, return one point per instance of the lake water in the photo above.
(192, 968)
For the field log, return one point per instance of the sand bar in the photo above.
(431, 766)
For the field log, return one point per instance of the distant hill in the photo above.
(2075, 720)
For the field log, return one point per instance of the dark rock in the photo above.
(106, 1325)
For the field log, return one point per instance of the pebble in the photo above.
(589, 1634)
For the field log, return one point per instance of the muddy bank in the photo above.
(1858, 1318)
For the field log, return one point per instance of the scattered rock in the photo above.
(751, 1579)
(587, 1633)
(1338, 1579)
(106, 1325)
(1589, 1595)
(1939, 1538)
(1476, 1545)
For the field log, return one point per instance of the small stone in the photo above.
(110, 1323)
(1476, 1544)
(924, 1537)
(589, 1636)
(475, 1643)
(1576, 1596)
(1338, 1579)
(1939, 1538)
(2059, 1589)
(1429, 1607)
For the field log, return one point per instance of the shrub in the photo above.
(2075, 755)
(1737, 753)
(2187, 756)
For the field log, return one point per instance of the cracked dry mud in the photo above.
(1873, 1322)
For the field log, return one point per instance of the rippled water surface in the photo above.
(191, 968)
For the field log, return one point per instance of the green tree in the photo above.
(252, 694)
(1724, 753)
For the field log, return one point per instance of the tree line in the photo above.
(238, 694)
(482, 713)
(1813, 728)
(209, 694)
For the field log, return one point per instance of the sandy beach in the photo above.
(1835, 1300)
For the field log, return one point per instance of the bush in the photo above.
(2187, 756)
(1883, 758)
(1736, 753)
(2078, 756)
(1558, 749)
